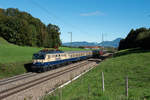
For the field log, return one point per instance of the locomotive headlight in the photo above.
(34, 61)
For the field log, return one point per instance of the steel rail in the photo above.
(32, 83)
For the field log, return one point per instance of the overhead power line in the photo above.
(56, 17)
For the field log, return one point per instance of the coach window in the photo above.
(49, 57)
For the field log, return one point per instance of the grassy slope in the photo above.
(13, 57)
(13, 53)
(134, 64)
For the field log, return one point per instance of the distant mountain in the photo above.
(77, 44)
(113, 43)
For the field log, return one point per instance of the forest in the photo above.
(21, 28)
(139, 38)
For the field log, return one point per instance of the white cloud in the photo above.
(96, 13)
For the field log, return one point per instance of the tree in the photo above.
(22, 29)
(139, 38)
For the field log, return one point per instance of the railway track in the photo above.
(20, 79)
(16, 78)
(13, 90)
(6, 79)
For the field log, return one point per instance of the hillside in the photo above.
(131, 63)
(139, 38)
(114, 43)
(21, 28)
(13, 58)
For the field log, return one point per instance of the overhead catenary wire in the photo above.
(56, 17)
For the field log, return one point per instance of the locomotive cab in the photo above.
(38, 58)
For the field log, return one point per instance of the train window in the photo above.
(49, 57)
(38, 56)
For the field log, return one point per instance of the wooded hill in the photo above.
(139, 38)
(21, 28)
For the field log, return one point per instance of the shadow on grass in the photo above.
(28, 67)
(130, 51)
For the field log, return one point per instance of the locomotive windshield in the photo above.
(38, 56)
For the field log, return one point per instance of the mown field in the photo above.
(13, 57)
(132, 63)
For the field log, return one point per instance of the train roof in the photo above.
(50, 52)
(55, 52)
(75, 51)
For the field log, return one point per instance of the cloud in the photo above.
(96, 13)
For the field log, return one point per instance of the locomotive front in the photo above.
(38, 61)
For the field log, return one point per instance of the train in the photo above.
(46, 60)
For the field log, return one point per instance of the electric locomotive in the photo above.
(47, 59)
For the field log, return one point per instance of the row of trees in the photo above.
(139, 38)
(22, 29)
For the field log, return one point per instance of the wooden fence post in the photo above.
(88, 91)
(103, 87)
(126, 86)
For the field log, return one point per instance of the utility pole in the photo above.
(70, 38)
(102, 41)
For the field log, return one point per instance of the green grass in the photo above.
(13, 57)
(132, 63)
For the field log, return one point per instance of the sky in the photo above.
(87, 19)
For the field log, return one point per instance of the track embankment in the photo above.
(33, 86)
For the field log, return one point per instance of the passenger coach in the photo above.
(46, 60)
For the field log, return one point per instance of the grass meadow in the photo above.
(132, 63)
